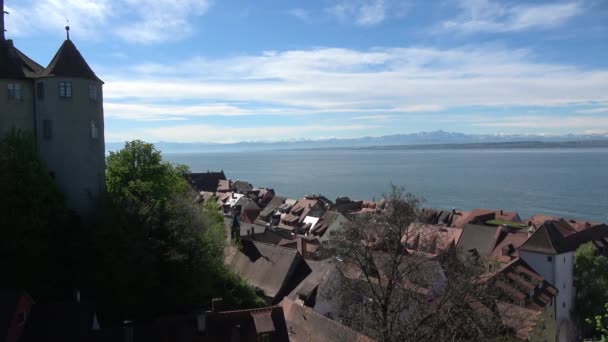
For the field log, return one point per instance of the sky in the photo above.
(258, 70)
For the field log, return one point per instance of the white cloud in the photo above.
(329, 80)
(363, 12)
(545, 122)
(299, 13)
(593, 110)
(84, 16)
(493, 16)
(140, 21)
(160, 20)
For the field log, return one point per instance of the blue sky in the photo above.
(225, 71)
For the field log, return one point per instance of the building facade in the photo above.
(62, 106)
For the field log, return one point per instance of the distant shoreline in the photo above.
(472, 146)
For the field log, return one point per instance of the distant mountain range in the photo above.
(435, 139)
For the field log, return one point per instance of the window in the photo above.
(549, 258)
(92, 92)
(47, 129)
(94, 130)
(65, 89)
(40, 90)
(21, 317)
(14, 91)
(265, 337)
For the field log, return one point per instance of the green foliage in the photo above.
(38, 233)
(136, 176)
(157, 251)
(590, 280)
(601, 324)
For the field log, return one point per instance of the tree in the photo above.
(590, 280)
(601, 324)
(157, 251)
(392, 294)
(38, 232)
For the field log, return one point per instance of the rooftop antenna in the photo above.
(67, 28)
(2, 13)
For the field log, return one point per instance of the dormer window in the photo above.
(93, 92)
(65, 89)
(14, 92)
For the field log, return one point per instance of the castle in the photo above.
(62, 105)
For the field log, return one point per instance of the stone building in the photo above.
(62, 105)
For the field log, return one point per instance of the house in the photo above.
(266, 267)
(270, 208)
(480, 217)
(306, 291)
(241, 187)
(312, 206)
(67, 321)
(305, 245)
(328, 224)
(431, 239)
(259, 325)
(248, 209)
(62, 106)
(477, 239)
(550, 252)
(526, 301)
(262, 196)
(205, 181)
(224, 185)
(15, 309)
(304, 325)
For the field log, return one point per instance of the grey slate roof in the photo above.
(273, 205)
(15, 64)
(68, 62)
(264, 266)
(306, 325)
(477, 237)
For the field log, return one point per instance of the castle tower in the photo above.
(62, 105)
(69, 126)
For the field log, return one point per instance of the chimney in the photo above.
(453, 211)
(2, 21)
(128, 327)
(501, 212)
(217, 305)
(587, 225)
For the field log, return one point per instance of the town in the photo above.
(125, 247)
(531, 259)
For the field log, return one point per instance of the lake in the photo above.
(565, 182)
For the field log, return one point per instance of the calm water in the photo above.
(566, 182)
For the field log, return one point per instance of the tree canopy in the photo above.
(157, 251)
(38, 232)
(591, 281)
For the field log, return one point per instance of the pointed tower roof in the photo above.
(68, 62)
(15, 64)
(550, 238)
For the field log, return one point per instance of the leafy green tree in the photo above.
(601, 324)
(38, 232)
(158, 251)
(590, 280)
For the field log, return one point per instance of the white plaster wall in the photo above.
(76, 159)
(564, 282)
